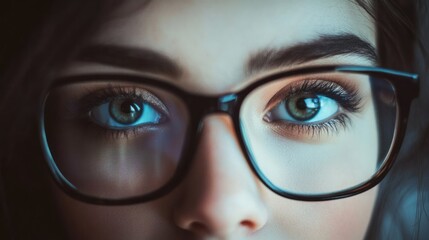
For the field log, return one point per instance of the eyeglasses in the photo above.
(309, 134)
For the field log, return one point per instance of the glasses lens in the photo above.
(319, 133)
(115, 139)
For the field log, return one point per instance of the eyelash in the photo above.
(95, 98)
(346, 96)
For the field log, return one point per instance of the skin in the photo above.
(221, 198)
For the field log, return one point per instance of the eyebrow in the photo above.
(323, 47)
(134, 58)
(144, 59)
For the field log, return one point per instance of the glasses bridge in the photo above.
(221, 104)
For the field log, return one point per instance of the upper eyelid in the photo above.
(89, 98)
(294, 87)
(282, 93)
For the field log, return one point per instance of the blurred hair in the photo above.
(45, 36)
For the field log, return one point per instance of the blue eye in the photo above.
(306, 107)
(125, 112)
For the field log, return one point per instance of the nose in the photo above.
(220, 196)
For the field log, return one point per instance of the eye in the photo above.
(305, 107)
(312, 107)
(124, 112)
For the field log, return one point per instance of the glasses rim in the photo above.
(405, 85)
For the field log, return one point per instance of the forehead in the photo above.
(213, 39)
(228, 23)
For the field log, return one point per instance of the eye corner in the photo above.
(267, 116)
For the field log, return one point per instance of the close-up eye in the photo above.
(312, 106)
(306, 107)
(125, 112)
(123, 108)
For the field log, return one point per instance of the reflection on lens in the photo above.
(321, 133)
(115, 140)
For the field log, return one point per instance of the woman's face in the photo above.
(211, 42)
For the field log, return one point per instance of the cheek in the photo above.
(349, 218)
(141, 221)
(337, 219)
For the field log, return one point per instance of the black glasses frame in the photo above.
(406, 86)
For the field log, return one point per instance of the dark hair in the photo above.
(401, 209)
(36, 45)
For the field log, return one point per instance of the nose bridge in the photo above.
(222, 196)
(218, 136)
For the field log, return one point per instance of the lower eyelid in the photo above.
(119, 134)
(133, 132)
(305, 132)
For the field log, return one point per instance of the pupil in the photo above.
(125, 111)
(129, 106)
(303, 108)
